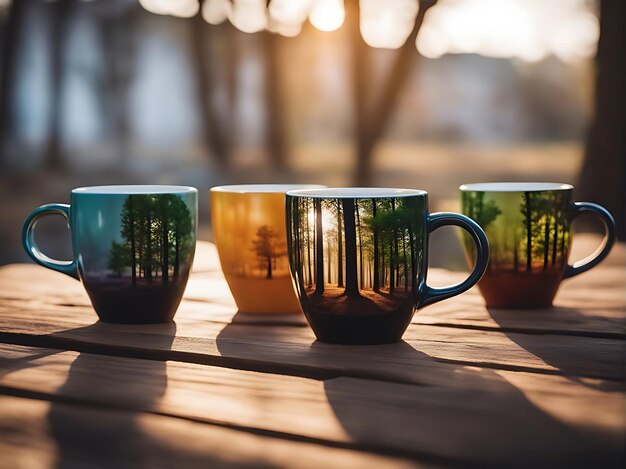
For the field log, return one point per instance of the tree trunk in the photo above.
(176, 253)
(269, 268)
(376, 254)
(529, 237)
(133, 249)
(308, 245)
(358, 222)
(515, 254)
(148, 235)
(371, 123)
(406, 277)
(413, 260)
(275, 128)
(546, 243)
(319, 242)
(328, 268)
(10, 53)
(555, 240)
(339, 248)
(62, 8)
(392, 271)
(352, 281)
(165, 268)
(603, 175)
(204, 40)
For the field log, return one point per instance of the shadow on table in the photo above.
(458, 415)
(120, 389)
(606, 362)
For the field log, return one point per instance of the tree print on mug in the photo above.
(358, 250)
(529, 238)
(149, 259)
(156, 232)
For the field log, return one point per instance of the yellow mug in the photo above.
(249, 228)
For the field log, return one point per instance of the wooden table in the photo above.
(467, 386)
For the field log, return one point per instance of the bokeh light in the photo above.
(526, 29)
(215, 11)
(180, 8)
(387, 25)
(327, 15)
(249, 16)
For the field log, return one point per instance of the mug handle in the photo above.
(437, 220)
(28, 239)
(594, 259)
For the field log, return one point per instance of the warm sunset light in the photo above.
(180, 8)
(327, 15)
(387, 26)
(529, 30)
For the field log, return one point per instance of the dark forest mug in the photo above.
(133, 247)
(529, 226)
(359, 257)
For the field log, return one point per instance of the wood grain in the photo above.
(517, 410)
(41, 434)
(424, 345)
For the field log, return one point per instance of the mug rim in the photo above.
(357, 193)
(263, 188)
(134, 189)
(515, 187)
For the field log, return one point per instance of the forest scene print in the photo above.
(270, 250)
(157, 240)
(528, 231)
(357, 255)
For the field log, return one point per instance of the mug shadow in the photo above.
(136, 386)
(127, 391)
(382, 411)
(568, 361)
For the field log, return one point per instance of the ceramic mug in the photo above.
(133, 247)
(529, 226)
(249, 230)
(359, 258)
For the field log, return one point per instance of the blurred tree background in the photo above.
(402, 93)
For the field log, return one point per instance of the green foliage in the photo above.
(119, 258)
(158, 236)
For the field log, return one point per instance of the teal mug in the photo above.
(359, 260)
(133, 247)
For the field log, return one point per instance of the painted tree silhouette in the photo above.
(483, 213)
(526, 209)
(155, 229)
(267, 247)
(352, 282)
(319, 248)
(119, 258)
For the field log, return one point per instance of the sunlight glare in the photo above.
(215, 11)
(179, 8)
(289, 11)
(327, 15)
(526, 29)
(248, 16)
(387, 25)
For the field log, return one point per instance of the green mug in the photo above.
(359, 260)
(529, 226)
(133, 247)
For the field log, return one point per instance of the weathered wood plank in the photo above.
(425, 346)
(593, 304)
(524, 419)
(40, 434)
